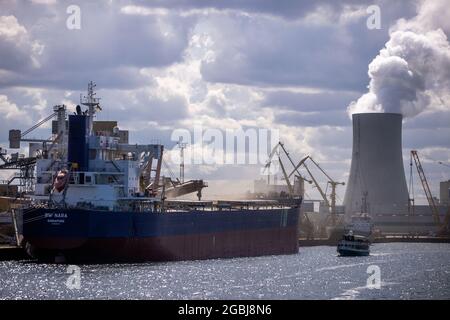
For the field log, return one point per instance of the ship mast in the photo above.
(92, 103)
(182, 145)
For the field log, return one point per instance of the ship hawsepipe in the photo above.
(104, 236)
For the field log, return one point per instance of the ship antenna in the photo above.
(92, 102)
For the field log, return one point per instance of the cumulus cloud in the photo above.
(287, 9)
(11, 112)
(44, 1)
(18, 50)
(111, 46)
(412, 70)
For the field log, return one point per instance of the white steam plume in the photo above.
(412, 72)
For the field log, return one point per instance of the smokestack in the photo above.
(377, 181)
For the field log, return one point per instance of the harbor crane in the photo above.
(305, 221)
(333, 185)
(330, 204)
(426, 187)
(286, 177)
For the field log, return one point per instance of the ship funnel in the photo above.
(78, 143)
(377, 183)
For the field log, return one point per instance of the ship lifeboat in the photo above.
(60, 180)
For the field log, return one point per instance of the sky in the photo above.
(298, 67)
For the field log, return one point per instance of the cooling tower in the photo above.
(377, 181)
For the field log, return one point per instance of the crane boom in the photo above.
(327, 203)
(293, 164)
(320, 168)
(426, 187)
(333, 184)
(272, 153)
(37, 125)
(291, 190)
(298, 166)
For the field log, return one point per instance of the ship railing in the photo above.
(223, 205)
(146, 205)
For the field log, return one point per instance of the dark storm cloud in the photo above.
(426, 138)
(76, 79)
(110, 46)
(142, 106)
(316, 119)
(249, 49)
(256, 50)
(112, 39)
(270, 53)
(15, 57)
(430, 120)
(308, 102)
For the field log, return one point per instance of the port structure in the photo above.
(426, 188)
(330, 204)
(175, 187)
(333, 184)
(287, 177)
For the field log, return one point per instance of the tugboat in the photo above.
(353, 245)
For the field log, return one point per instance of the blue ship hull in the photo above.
(90, 235)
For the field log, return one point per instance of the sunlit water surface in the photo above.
(407, 271)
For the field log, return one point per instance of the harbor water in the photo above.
(404, 271)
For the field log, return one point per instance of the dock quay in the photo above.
(385, 239)
(10, 252)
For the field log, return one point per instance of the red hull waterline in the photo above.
(248, 243)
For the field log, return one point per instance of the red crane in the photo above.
(426, 187)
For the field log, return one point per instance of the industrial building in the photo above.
(444, 193)
(377, 183)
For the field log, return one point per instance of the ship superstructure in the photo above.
(101, 170)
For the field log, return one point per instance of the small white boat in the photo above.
(353, 245)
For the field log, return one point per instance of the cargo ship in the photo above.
(95, 197)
